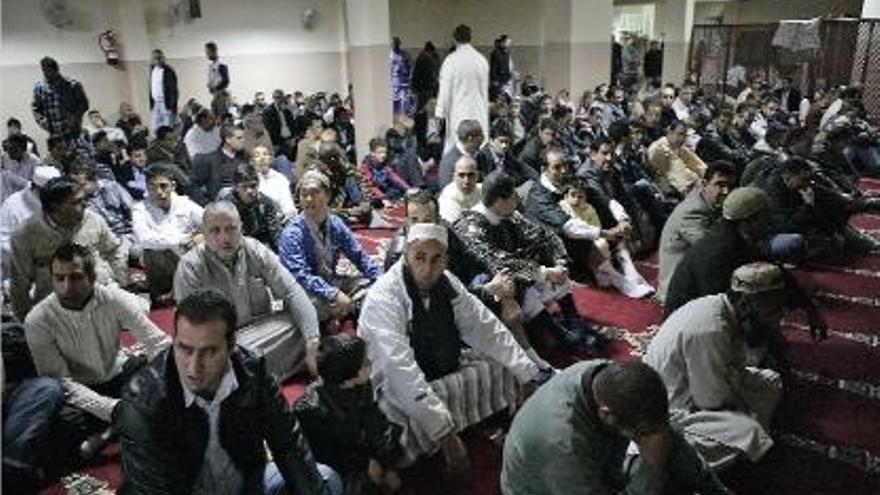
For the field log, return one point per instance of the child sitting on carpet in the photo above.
(344, 425)
(385, 182)
(609, 260)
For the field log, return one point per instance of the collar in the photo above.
(461, 148)
(228, 153)
(491, 217)
(545, 181)
(228, 384)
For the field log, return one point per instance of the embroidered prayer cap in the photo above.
(743, 202)
(757, 277)
(427, 231)
(314, 177)
(43, 174)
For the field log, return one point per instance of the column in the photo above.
(673, 20)
(576, 54)
(136, 51)
(367, 24)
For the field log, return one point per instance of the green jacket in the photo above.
(558, 446)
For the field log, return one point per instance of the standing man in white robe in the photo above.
(722, 405)
(464, 86)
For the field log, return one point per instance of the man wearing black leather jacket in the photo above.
(195, 420)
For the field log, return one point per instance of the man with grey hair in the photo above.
(253, 278)
(417, 320)
(470, 138)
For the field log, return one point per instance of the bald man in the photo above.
(252, 277)
(463, 193)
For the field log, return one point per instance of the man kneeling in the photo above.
(196, 418)
(415, 320)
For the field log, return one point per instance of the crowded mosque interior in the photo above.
(440, 247)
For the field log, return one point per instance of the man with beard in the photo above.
(723, 405)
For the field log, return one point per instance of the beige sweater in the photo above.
(82, 347)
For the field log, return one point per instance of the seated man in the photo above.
(131, 172)
(310, 246)
(108, 199)
(165, 227)
(497, 155)
(677, 168)
(64, 219)
(403, 151)
(18, 208)
(73, 335)
(203, 137)
(497, 292)
(504, 241)
(272, 182)
(470, 137)
(815, 212)
(572, 437)
(213, 171)
(343, 423)
(532, 153)
(723, 405)
(168, 148)
(198, 418)
(350, 194)
(692, 219)
(416, 321)
(463, 193)
(259, 215)
(385, 183)
(560, 210)
(17, 160)
(248, 273)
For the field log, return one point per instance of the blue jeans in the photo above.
(273, 482)
(28, 412)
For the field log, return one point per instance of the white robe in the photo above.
(433, 410)
(464, 91)
(700, 355)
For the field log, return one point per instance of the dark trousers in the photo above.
(28, 411)
(75, 425)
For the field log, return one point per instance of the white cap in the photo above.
(43, 174)
(427, 231)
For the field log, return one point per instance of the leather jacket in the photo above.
(163, 441)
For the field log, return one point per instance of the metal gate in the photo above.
(835, 52)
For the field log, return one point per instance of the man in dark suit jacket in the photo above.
(163, 92)
(789, 97)
(470, 135)
(214, 171)
(280, 124)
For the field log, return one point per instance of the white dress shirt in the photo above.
(199, 141)
(157, 229)
(276, 186)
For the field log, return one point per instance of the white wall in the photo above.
(263, 41)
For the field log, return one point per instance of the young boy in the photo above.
(385, 182)
(609, 260)
(344, 425)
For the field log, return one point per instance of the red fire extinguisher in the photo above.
(109, 43)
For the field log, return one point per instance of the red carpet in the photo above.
(828, 425)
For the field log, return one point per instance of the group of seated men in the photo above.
(474, 286)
